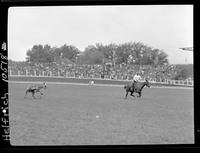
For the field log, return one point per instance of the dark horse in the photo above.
(138, 88)
(34, 89)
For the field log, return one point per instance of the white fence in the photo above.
(94, 76)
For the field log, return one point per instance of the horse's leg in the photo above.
(139, 94)
(126, 94)
(25, 93)
(33, 95)
(132, 93)
(41, 94)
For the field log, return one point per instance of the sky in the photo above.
(166, 27)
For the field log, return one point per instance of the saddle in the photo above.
(134, 86)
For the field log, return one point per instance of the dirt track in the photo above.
(94, 115)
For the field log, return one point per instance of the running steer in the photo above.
(34, 89)
(137, 88)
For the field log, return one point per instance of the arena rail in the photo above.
(177, 83)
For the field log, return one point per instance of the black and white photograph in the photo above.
(100, 75)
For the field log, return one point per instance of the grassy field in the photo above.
(99, 115)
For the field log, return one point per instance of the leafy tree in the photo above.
(183, 72)
(43, 54)
(69, 52)
(159, 57)
(182, 75)
(125, 54)
(91, 56)
(39, 54)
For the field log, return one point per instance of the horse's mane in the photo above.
(141, 84)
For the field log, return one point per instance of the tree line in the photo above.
(127, 53)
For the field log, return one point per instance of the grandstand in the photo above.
(162, 74)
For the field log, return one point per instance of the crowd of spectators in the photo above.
(107, 71)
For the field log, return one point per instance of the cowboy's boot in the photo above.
(132, 87)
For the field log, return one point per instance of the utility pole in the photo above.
(186, 49)
(77, 56)
(113, 57)
(141, 56)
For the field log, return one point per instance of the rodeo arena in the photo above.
(61, 103)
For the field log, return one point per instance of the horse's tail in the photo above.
(125, 86)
